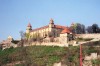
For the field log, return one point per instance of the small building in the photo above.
(66, 36)
(9, 42)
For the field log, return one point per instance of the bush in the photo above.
(43, 55)
(96, 62)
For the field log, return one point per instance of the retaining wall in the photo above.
(88, 35)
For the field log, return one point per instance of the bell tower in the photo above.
(51, 24)
(29, 28)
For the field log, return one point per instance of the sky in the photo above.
(16, 14)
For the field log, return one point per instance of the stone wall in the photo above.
(88, 35)
(88, 59)
(93, 56)
(51, 44)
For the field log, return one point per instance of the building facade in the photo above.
(50, 30)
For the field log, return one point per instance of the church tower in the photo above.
(51, 24)
(29, 28)
(51, 28)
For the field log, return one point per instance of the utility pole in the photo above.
(80, 55)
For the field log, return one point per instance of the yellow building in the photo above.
(50, 30)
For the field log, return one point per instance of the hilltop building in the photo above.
(51, 30)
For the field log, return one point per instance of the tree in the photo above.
(78, 28)
(89, 29)
(0, 46)
(96, 62)
(22, 34)
(95, 28)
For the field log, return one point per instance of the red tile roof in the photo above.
(60, 27)
(56, 26)
(65, 31)
(40, 28)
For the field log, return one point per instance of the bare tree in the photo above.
(22, 34)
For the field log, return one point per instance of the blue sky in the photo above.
(15, 14)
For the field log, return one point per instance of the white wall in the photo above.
(88, 35)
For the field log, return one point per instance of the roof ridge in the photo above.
(40, 28)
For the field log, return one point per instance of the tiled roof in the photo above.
(65, 31)
(60, 27)
(40, 28)
(56, 26)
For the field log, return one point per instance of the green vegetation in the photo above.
(88, 50)
(15, 41)
(5, 55)
(96, 62)
(43, 55)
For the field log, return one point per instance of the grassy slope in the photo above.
(43, 55)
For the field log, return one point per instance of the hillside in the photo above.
(43, 55)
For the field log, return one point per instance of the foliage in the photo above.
(43, 55)
(5, 55)
(93, 29)
(96, 62)
(78, 28)
(15, 41)
(89, 29)
(22, 34)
